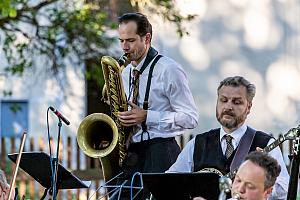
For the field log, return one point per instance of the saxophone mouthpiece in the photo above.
(123, 59)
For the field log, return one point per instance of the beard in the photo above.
(137, 55)
(233, 122)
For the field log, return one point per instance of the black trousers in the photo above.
(150, 156)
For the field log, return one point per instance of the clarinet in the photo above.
(294, 170)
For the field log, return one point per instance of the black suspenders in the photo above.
(150, 56)
(145, 104)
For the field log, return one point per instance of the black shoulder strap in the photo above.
(150, 56)
(145, 104)
(243, 148)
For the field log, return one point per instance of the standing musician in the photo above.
(161, 102)
(222, 148)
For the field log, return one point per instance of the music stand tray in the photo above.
(182, 186)
(37, 165)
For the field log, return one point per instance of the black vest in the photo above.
(208, 151)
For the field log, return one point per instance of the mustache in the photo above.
(228, 112)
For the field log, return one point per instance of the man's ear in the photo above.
(148, 38)
(268, 192)
(249, 107)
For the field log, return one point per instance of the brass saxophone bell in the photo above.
(102, 136)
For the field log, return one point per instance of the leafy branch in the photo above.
(55, 30)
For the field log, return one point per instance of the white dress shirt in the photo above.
(185, 163)
(171, 105)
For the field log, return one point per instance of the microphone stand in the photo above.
(55, 163)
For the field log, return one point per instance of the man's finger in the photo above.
(132, 104)
(125, 113)
(126, 118)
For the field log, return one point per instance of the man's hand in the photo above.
(132, 117)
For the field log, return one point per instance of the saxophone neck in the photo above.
(123, 60)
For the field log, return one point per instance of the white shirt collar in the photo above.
(237, 134)
(139, 66)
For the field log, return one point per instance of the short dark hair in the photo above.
(142, 22)
(269, 164)
(237, 81)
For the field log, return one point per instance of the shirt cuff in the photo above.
(153, 118)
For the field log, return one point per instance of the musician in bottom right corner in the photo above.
(256, 177)
(225, 148)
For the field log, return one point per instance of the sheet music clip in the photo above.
(182, 186)
(37, 165)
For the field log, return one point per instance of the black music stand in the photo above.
(182, 186)
(37, 165)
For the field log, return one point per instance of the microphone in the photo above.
(60, 116)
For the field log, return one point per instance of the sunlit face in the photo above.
(232, 107)
(136, 46)
(249, 182)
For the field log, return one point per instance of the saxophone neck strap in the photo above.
(150, 56)
(243, 148)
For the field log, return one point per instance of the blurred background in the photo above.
(51, 53)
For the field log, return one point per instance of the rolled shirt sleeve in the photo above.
(184, 162)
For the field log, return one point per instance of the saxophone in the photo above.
(102, 136)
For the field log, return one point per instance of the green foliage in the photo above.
(94, 73)
(60, 28)
(7, 9)
(72, 29)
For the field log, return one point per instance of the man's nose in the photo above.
(125, 46)
(241, 188)
(228, 106)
